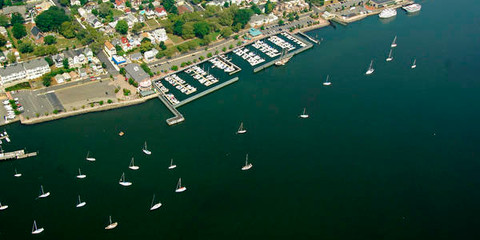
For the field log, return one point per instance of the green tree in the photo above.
(242, 16)
(178, 27)
(11, 57)
(150, 6)
(3, 40)
(137, 27)
(49, 61)
(128, 4)
(17, 18)
(104, 9)
(174, 68)
(122, 27)
(4, 20)
(123, 71)
(162, 45)
(146, 46)
(226, 32)
(65, 63)
(255, 9)
(201, 29)
(50, 39)
(51, 19)
(19, 30)
(188, 31)
(169, 5)
(269, 6)
(67, 29)
(47, 80)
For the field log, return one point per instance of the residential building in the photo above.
(118, 59)
(158, 35)
(135, 72)
(290, 6)
(36, 68)
(110, 49)
(75, 2)
(3, 58)
(259, 20)
(59, 78)
(36, 33)
(82, 12)
(383, 3)
(21, 71)
(150, 55)
(136, 57)
(120, 4)
(3, 31)
(12, 73)
(160, 12)
(22, 9)
(45, 5)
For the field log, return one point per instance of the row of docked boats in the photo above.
(202, 76)
(171, 98)
(252, 58)
(392, 12)
(265, 48)
(281, 43)
(161, 87)
(293, 39)
(219, 63)
(180, 84)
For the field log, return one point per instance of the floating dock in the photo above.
(16, 155)
(178, 117)
(229, 63)
(210, 90)
(308, 37)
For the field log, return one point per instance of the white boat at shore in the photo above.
(156, 205)
(132, 165)
(145, 150)
(111, 224)
(17, 174)
(304, 113)
(414, 65)
(388, 13)
(412, 8)
(35, 229)
(241, 130)
(370, 69)
(179, 186)
(80, 175)
(172, 166)
(80, 203)
(123, 182)
(43, 194)
(247, 165)
(390, 56)
(394, 42)
(88, 158)
(327, 81)
(3, 207)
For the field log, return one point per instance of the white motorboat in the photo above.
(132, 165)
(241, 130)
(17, 174)
(412, 8)
(327, 82)
(111, 224)
(35, 229)
(247, 165)
(388, 13)
(88, 158)
(156, 205)
(394, 43)
(172, 166)
(304, 113)
(414, 65)
(7, 138)
(179, 186)
(145, 150)
(80, 175)
(370, 69)
(390, 57)
(43, 194)
(3, 207)
(123, 182)
(80, 203)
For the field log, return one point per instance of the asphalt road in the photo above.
(104, 58)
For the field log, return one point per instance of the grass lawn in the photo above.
(152, 24)
(175, 39)
(63, 43)
(117, 13)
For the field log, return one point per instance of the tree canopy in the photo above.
(19, 31)
(201, 29)
(122, 27)
(3, 40)
(242, 16)
(50, 39)
(51, 19)
(17, 18)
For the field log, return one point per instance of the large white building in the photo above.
(24, 71)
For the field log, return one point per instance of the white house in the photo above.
(75, 2)
(259, 20)
(150, 55)
(12, 73)
(27, 70)
(110, 49)
(36, 68)
(159, 35)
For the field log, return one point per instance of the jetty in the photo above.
(16, 155)
(178, 117)
(308, 37)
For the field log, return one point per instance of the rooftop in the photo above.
(136, 72)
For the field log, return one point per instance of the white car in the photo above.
(6, 102)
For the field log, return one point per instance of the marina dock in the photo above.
(308, 37)
(178, 117)
(210, 90)
(16, 155)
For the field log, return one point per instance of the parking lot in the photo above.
(276, 28)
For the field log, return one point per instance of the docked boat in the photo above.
(132, 165)
(241, 130)
(179, 186)
(111, 224)
(80, 175)
(43, 194)
(145, 150)
(172, 166)
(394, 43)
(88, 158)
(388, 13)
(35, 229)
(304, 113)
(327, 81)
(123, 182)
(156, 205)
(390, 56)
(414, 65)
(80, 203)
(247, 165)
(370, 68)
(17, 174)
(3, 207)
(412, 8)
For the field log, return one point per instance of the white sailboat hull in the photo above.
(413, 66)
(241, 131)
(125, 184)
(38, 231)
(3, 207)
(389, 59)
(82, 204)
(172, 166)
(182, 189)
(393, 45)
(146, 151)
(304, 116)
(327, 83)
(134, 167)
(17, 175)
(246, 167)
(111, 226)
(8, 139)
(91, 159)
(370, 71)
(44, 195)
(156, 206)
(82, 176)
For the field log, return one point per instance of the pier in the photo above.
(16, 155)
(229, 63)
(210, 90)
(308, 37)
(178, 117)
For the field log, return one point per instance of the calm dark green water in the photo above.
(390, 156)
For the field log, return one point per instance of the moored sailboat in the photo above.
(172, 166)
(123, 182)
(179, 186)
(394, 43)
(327, 81)
(132, 165)
(156, 205)
(43, 194)
(247, 165)
(111, 224)
(390, 57)
(370, 69)
(80, 203)
(35, 229)
(145, 150)
(88, 158)
(241, 130)
(17, 174)
(80, 175)
(304, 113)
(414, 65)
(3, 207)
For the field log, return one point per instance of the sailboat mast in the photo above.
(153, 200)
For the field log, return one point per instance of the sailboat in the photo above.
(414, 65)
(394, 43)
(132, 165)
(156, 205)
(390, 57)
(172, 166)
(3, 207)
(370, 69)
(80, 175)
(304, 113)
(35, 229)
(179, 186)
(43, 194)
(123, 182)
(247, 165)
(80, 203)
(145, 150)
(91, 159)
(111, 224)
(327, 82)
(241, 130)
(17, 174)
